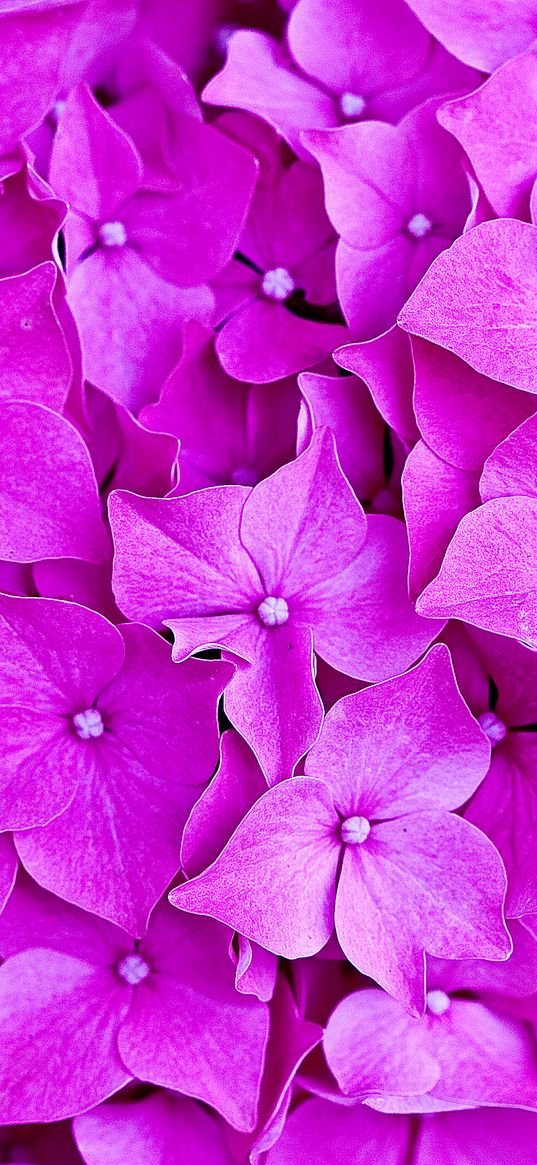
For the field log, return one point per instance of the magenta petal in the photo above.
(351, 47)
(320, 1131)
(372, 1045)
(8, 868)
(346, 406)
(108, 168)
(186, 549)
(60, 1017)
(159, 1128)
(49, 506)
(32, 50)
(129, 321)
(275, 880)
(436, 496)
(274, 701)
(318, 521)
(477, 300)
(462, 415)
(258, 76)
(483, 33)
(483, 1057)
(385, 364)
(34, 359)
(483, 1137)
(49, 673)
(264, 341)
(233, 790)
(421, 882)
(136, 790)
(189, 1029)
(505, 808)
(488, 574)
(363, 621)
(495, 127)
(402, 746)
(291, 1039)
(510, 468)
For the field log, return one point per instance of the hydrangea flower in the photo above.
(133, 249)
(341, 64)
(92, 758)
(397, 196)
(85, 1009)
(269, 574)
(369, 817)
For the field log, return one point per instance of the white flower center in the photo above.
(278, 284)
(273, 612)
(355, 830)
(493, 727)
(352, 104)
(438, 1002)
(133, 969)
(113, 234)
(419, 226)
(89, 724)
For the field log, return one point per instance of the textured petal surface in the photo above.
(402, 746)
(275, 880)
(189, 1029)
(46, 474)
(408, 889)
(478, 300)
(161, 1129)
(488, 574)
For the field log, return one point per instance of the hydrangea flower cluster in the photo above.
(268, 597)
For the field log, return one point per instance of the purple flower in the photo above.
(269, 574)
(94, 756)
(369, 817)
(85, 1009)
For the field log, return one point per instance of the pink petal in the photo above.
(193, 1032)
(135, 793)
(345, 405)
(274, 881)
(322, 1131)
(351, 48)
(425, 881)
(129, 323)
(181, 556)
(505, 808)
(60, 1017)
(488, 574)
(108, 168)
(402, 746)
(483, 33)
(235, 787)
(436, 497)
(461, 414)
(34, 360)
(265, 341)
(274, 701)
(478, 301)
(319, 523)
(161, 1127)
(497, 120)
(372, 1045)
(258, 76)
(480, 1138)
(510, 469)
(386, 366)
(49, 506)
(363, 621)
